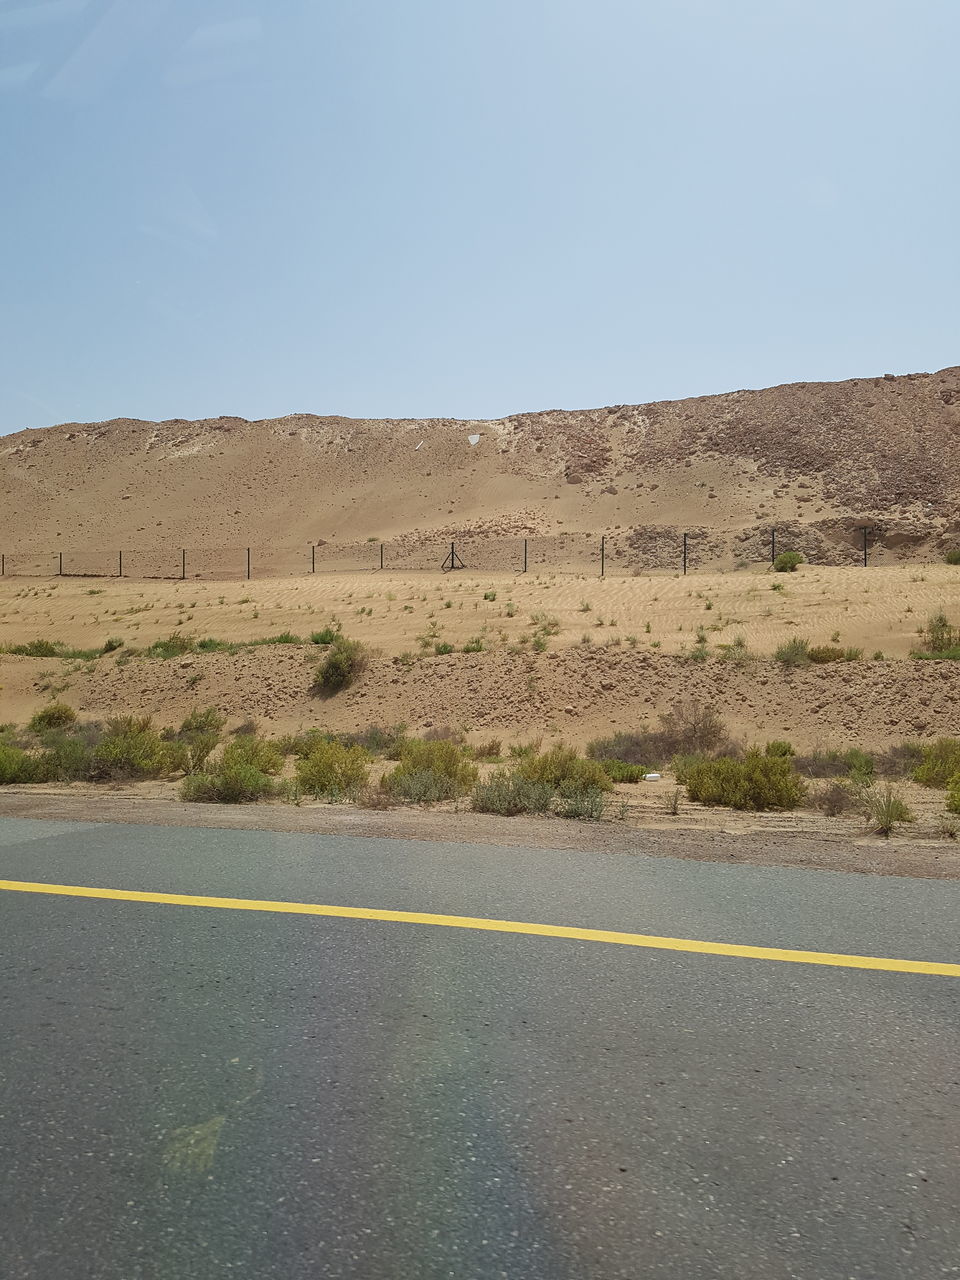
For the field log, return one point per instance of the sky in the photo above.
(468, 208)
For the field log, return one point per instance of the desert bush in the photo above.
(821, 653)
(938, 639)
(234, 782)
(56, 715)
(688, 728)
(794, 652)
(787, 561)
(755, 782)
(508, 792)
(953, 794)
(131, 748)
(259, 753)
(834, 798)
(442, 648)
(737, 652)
(836, 764)
(68, 756)
(333, 770)
(345, 661)
(779, 747)
(564, 767)
(326, 635)
(587, 803)
(474, 645)
(199, 734)
(490, 751)
(900, 760)
(939, 763)
(443, 733)
(620, 771)
(17, 765)
(953, 556)
(885, 808)
(174, 646)
(112, 644)
(430, 771)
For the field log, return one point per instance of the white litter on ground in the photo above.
(474, 439)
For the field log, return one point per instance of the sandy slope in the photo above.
(814, 459)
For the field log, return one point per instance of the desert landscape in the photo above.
(822, 657)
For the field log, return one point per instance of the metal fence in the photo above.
(648, 549)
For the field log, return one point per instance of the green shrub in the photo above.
(620, 771)
(564, 766)
(56, 715)
(939, 638)
(199, 734)
(333, 770)
(756, 782)
(442, 647)
(939, 764)
(285, 637)
(112, 645)
(17, 765)
(68, 757)
(508, 792)
(236, 782)
(422, 786)
(779, 748)
(821, 653)
(438, 770)
(681, 765)
(953, 557)
(787, 561)
(259, 753)
(474, 646)
(885, 808)
(953, 794)
(489, 751)
(131, 748)
(859, 764)
(345, 661)
(793, 653)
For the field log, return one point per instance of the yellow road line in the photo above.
(498, 926)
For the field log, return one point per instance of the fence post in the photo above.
(865, 529)
(60, 570)
(381, 555)
(524, 555)
(3, 565)
(313, 557)
(248, 564)
(684, 555)
(603, 553)
(183, 563)
(120, 564)
(773, 545)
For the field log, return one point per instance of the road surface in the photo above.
(195, 1092)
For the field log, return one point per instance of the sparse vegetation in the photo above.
(333, 771)
(939, 763)
(793, 653)
(509, 793)
(56, 715)
(431, 771)
(953, 556)
(885, 808)
(938, 639)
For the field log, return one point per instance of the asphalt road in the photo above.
(189, 1093)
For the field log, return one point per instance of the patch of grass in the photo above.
(953, 795)
(442, 647)
(236, 782)
(285, 637)
(939, 639)
(688, 728)
(326, 635)
(756, 782)
(587, 804)
(474, 646)
(952, 556)
(793, 653)
(885, 808)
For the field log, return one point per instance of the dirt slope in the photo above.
(814, 459)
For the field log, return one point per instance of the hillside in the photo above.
(814, 459)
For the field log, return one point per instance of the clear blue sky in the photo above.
(469, 207)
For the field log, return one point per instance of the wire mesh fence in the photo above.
(639, 550)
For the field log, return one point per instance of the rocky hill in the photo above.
(816, 460)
